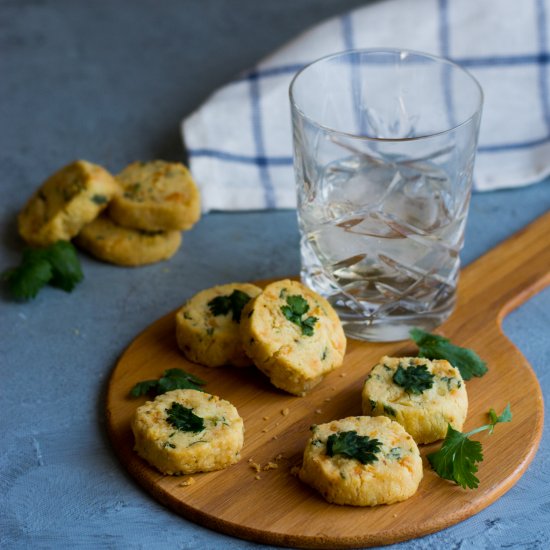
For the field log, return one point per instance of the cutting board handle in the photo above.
(509, 274)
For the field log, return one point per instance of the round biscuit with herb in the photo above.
(66, 202)
(118, 245)
(293, 335)
(423, 396)
(188, 431)
(362, 461)
(156, 196)
(207, 325)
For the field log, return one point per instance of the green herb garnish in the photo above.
(414, 379)
(57, 265)
(66, 271)
(147, 233)
(184, 419)
(171, 379)
(99, 199)
(349, 444)
(234, 302)
(449, 381)
(457, 458)
(434, 346)
(296, 307)
(132, 190)
(396, 453)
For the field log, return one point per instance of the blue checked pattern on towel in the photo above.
(239, 141)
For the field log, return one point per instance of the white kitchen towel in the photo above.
(239, 141)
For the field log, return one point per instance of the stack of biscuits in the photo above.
(292, 334)
(131, 219)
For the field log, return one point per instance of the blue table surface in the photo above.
(109, 82)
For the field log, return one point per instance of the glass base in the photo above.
(390, 329)
(376, 309)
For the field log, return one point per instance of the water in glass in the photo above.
(380, 239)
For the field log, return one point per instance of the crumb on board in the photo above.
(274, 437)
(342, 374)
(270, 465)
(318, 411)
(285, 411)
(327, 399)
(257, 477)
(265, 430)
(295, 470)
(186, 482)
(255, 466)
(265, 418)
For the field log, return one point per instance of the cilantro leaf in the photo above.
(177, 379)
(184, 419)
(66, 271)
(414, 379)
(220, 305)
(234, 302)
(349, 444)
(456, 460)
(433, 346)
(99, 199)
(142, 388)
(171, 379)
(307, 326)
(458, 456)
(26, 280)
(56, 264)
(506, 416)
(298, 304)
(296, 307)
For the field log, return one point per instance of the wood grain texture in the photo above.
(278, 508)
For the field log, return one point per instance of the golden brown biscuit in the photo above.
(188, 431)
(207, 326)
(362, 461)
(129, 247)
(424, 399)
(293, 336)
(66, 202)
(156, 196)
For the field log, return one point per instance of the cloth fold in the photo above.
(239, 141)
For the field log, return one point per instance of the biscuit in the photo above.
(424, 409)
(156, 196)
(66, 202)
(128, 247)
(188, 431)
(389, 469)
(207, 325)
(293, 336)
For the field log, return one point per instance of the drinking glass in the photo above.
(384, 147)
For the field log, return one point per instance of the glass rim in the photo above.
(442, 60)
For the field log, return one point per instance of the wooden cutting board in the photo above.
(277, 508)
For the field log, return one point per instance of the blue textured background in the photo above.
(109, 81)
